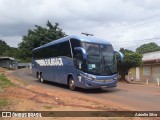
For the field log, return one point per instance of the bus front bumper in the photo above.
(100, 84)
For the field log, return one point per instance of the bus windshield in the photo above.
(100, 60)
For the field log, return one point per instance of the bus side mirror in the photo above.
(82, 50)
(80, 56)
(121, 55)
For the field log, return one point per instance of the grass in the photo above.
(47, 107)
(4, 82)
(4, 102)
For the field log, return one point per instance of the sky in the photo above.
(125, 23)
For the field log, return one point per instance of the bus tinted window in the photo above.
(61, 49)
(53, 51)
(64, 49)
(75, 43)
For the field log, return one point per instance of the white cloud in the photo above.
(101, 18)
(12, 41)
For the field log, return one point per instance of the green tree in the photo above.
(131, 59)
(3, 47)
(11, 52)
(6, 50)
(150, 47)
(37, 37)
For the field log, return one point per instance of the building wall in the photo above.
(135, 73)
(132, 74)
(155, 72)
(140, 72)
(6, 63)
(146, 72)
(24, 65)
(150, 70)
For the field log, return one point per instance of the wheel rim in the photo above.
(71, 84)
(41, 78)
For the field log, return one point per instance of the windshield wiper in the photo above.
(106, 65)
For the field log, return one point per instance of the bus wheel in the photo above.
(38, 76)
(41, 78)
(71, 84)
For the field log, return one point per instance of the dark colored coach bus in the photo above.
(77, 61)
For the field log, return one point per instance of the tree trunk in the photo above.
(123, 72)
(123, 77)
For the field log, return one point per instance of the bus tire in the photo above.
(41, 78)
(71, 84)
(38, 76)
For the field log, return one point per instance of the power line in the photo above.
(126, 28)
(134, 45)
(155, 38)
(144, 19)
(135, 23)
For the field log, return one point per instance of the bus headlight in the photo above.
(88, 76)
(91, 77)
(116, 78)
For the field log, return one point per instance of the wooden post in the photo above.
(147, 81)
(158, 81)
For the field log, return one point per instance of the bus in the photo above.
(77, 61)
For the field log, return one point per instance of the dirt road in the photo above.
(127, 96)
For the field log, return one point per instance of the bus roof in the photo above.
(80, 38)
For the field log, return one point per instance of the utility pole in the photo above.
(87, 34)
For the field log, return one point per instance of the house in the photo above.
(8, 62)
(149, 71)
(24, 65)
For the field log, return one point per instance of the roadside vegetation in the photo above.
(4, 102)
(48, 107)
(131, 59)
(4, 82)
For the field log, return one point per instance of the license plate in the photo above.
(104, 80)
(104, 86)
